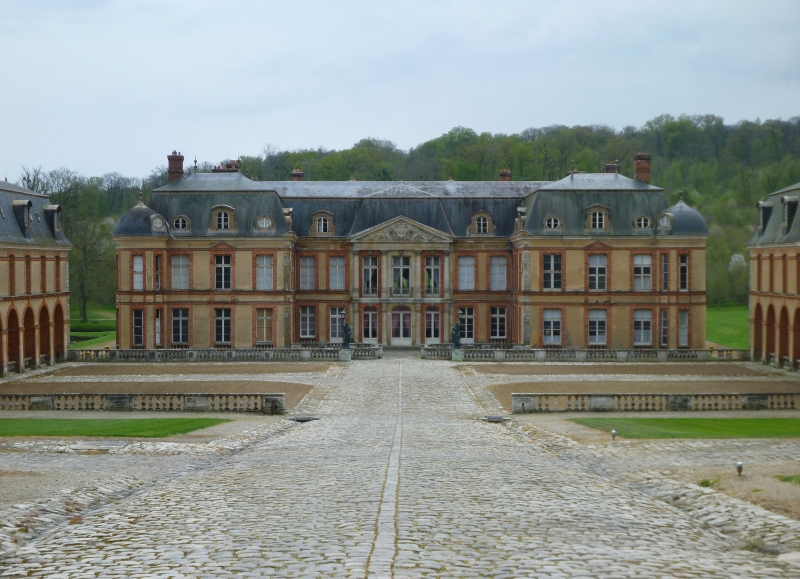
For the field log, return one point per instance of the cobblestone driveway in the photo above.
(397, 479)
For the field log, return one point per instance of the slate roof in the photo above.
(40, 231)
(774, 231)
(599, 182)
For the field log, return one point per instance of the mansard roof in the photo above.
(41, 230)
(599, 182)
(774, 229)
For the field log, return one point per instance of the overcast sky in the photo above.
(101, 86)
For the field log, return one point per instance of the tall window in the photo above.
(683, 274)
(264, 272)
(552, 327)
(370, 324)
(370, 277)
(308, 322)
(222, 271)
(432, 276)
(642, 327)
(138, 272)
(683, 329)
(664, 328)
(497, 270)
(336, 325)
(263, 326)
(664, 272)
(497, 323)
(642, 272)
(597, 327)
(401, 275)
(158, 328)
(432, 325)
(597, 272)
(180, 326)
(466, 273)
(322, 225)
(552, 271)
(468, 328)
(222, 326)
(482, 225)
(180, 272)
(598, 220)
(308, 273)
(138, 328)
(157, 271)
(337, 273)
(223, 220)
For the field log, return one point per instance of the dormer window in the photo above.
(223, 220)
(180, 223)
(158, 223)
(322, 225)
(57, 221)
(764, 211)
(26, 217)
(643, 222)
(789, 209)
(552, 223)
(598, 220)
(482, 225)
(264, 222)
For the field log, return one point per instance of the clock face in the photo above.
(264, 222)
(158, 223)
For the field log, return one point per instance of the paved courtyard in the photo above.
(396, 479)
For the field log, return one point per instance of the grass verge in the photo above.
(133, 428)
(92, 339)
(696, 427)
(795, 478)
(728, 326)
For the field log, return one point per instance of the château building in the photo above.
(590, 261)
(34, 287)
(775, 280)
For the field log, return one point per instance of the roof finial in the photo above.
(680, 193)
(573, 165)
(195, 163)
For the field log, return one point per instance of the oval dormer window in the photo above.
(264, 222)
(552, 223)
(642, 222)
(664, 222)
(158, 223)
(180, 223)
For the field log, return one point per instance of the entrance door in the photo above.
(432, 329)
(370, 327)
(401, 328)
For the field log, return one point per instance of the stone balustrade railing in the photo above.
(474, 353)
(264, 403)
(524, 403)
(360, 352)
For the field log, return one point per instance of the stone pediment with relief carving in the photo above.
(402, 229)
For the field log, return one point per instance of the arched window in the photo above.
(264, 222)
(482, 225)
(642, 222)
(598, 220)
(322, 225)
(180, 223)
(552, 223)
(222, 220)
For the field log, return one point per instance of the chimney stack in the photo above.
(298, 175)
(175, 166)
(611, 167)
(641, 167)
(505, 174)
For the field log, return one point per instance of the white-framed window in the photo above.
(337, 273)
(597, 272)
(597, 327)
(468, 327)
(158, 328)
(222, 326)
(370, 276)
(322, 225)
(263, 325)
(552, 271)
(370, 324)
(223, 220)
(497, 323)
(598, 220)
(664, 328)
(308, 322)
(138, 272)
(432, 276)
(401, 275)
(482, 225)
(432, 325)
(180, 223)
(337, 323)
(222, 271)
(138, 328)
(642, 272)
(264, 222)
(642, 327)
(683, 272)
(643, 222)
(683, 329)
(664, 272)
(180, 272)
(308, 273)
(264, 272)
(552, 223)
(552, 327)
(466, 273)
(497, 271)
(180, 326)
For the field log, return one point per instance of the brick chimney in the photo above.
(505, 174)
(231, 166)
(298, 175)
(611, 167)
(641, 167)
(175, 166)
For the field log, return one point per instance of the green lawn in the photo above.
(92, 339)
(136, 427)
(100, 318)
(697, 427)
(728, 326)
(795, 478)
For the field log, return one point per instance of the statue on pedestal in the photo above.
(348, 335)
(455, 333)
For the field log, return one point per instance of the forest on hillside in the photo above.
(723, 169)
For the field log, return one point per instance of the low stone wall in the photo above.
(490, 354)
(264, 403)
(365, 352)
(529, 403)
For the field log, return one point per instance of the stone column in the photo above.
(4, 352)
(385, 292)
(355, 293)
(52, 358)
(36, 351)
(418, 336)
(447, 294)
